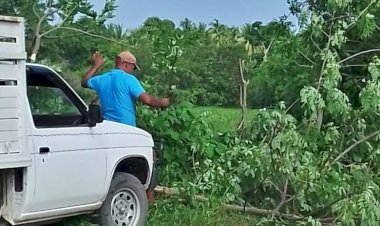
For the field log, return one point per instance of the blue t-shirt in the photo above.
(118, 92)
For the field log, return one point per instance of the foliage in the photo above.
(310, 168)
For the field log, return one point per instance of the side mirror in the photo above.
(94, 115)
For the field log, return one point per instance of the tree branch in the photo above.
(35, 12)
(37, 35)
(358, 54)
(266, 50)
(292, 105)
(60, 25)
(361, 14)
(354, 65)
(95, 35)
(283, 198)
(306, 57)
(323, 208)
(58, 36)
(306, 66)
(315, 44)
(354, 145)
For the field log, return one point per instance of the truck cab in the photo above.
(58, 157)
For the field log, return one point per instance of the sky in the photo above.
(132, 13)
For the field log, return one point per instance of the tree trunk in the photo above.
(35, 47)
(243, 100)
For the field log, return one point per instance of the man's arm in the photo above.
(88, 75)
(138, 92)
(149, 100)
(97, 62)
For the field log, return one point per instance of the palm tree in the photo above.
(218, 33)
(252, 32)
(202, 27)
(187, 25)
(117, 31)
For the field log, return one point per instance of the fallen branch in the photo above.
(283, 198)
(174, 191)
(354, 145)
(242, 209)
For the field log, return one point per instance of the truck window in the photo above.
(50, 101)
(49, 104)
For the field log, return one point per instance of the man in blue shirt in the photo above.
(118, 89)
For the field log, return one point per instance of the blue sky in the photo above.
(132, 13)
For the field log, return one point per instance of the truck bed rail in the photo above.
(12, 92)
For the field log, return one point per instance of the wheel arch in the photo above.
(138, 163)
(138, 166)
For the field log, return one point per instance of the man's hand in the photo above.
(149, 100)
(97, 60)
(164, 102)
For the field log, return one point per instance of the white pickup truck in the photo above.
(58, 158)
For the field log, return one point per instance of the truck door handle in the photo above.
(44, 150)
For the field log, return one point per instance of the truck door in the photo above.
(69, 171)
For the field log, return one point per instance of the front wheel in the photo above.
(126, 203)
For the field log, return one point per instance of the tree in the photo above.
(49, 16)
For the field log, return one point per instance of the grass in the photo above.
(224, 119)
(168, 211)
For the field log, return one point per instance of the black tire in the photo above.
(124, 187)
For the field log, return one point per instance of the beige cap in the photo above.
(127, 56)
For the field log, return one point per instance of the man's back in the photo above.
(118, 92)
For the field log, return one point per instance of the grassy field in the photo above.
(224, 119)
